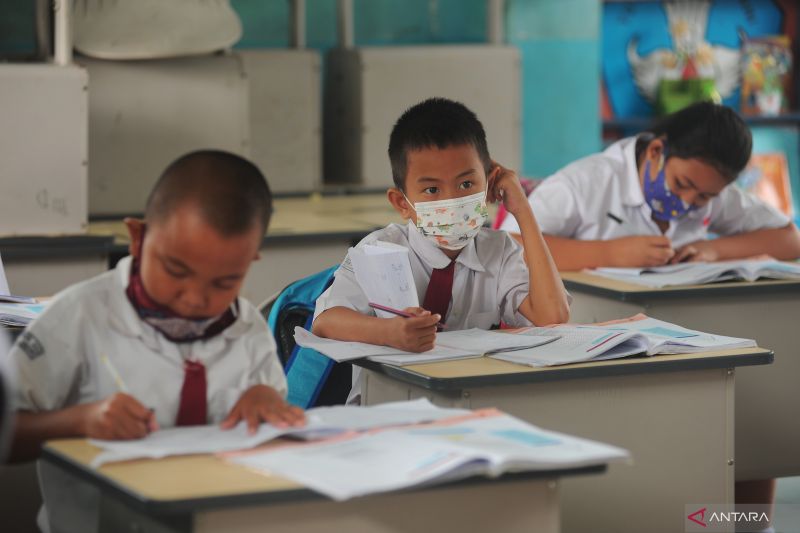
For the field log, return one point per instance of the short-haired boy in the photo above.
(466, 275)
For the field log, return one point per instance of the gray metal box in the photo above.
(286, 116)
(264, 105)
(369, 88)
(43, 149)
(144, 114)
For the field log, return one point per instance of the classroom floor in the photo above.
(788, 492)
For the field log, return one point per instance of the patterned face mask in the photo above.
(666, 206)
(452, 223)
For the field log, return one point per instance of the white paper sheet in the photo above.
(449, 345)
(699, 273)
(321, 422)
(384, 273)
(3, 280)
(406, 457)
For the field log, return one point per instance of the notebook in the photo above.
(699, 273)
(449, 345)
(637, 335)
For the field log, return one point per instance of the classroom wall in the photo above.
(558, 40)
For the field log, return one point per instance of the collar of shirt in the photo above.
(125, 320)
(434, 257)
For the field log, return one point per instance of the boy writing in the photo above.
(163, 339)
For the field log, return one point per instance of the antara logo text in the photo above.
(719, 517)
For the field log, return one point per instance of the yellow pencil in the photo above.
(114, 374)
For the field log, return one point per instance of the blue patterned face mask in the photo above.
(666, 206)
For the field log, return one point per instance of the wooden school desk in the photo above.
(203, 493)
(674, 413)
(767, 426)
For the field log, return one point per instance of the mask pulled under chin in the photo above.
(173, 326)
(451, 224)
(665, 205)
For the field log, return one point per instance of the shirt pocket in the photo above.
(483, 320)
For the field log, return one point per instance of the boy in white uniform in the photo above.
(466, 275)
(653, 199)
(163, 339)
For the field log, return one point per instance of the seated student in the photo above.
(163, 339)
(466, 275)
(653, 199)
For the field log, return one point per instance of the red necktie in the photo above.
(192, 411)
(440, 290)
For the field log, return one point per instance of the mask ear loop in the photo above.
(410, 204)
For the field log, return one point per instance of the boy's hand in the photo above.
(414, 334)
(261, 403)
(640, 251)
(504, 186)
(696, 251)
(118, 417)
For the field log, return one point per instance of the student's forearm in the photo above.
(547, 300)
(31, 430)
(781, 243)
(343, 324)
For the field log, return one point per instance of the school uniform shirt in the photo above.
(600, 198)
(490, 281)
(58, 358)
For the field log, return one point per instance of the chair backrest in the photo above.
(313, 379)
(528, 185)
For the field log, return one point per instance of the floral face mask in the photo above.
(452, 223)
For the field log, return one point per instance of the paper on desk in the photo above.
(620, 338)
(449, 345)
(342, 350)
(487, 442)
(3, 280)
(321, 422)
(468, 343)
(384, 273)
(702, 272)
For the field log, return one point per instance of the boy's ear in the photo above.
(400, 204)
(136, 232)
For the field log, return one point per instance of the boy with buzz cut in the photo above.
(466, 275)
(163, 339)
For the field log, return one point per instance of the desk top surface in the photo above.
(184, 484)
(485, 371)
(624, 291)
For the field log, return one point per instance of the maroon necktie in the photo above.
(440, 290)
(192, 411)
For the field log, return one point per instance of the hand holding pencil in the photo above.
(414, 330)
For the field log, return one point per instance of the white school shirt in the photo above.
(58, 358)
(490, 281)
(600, 198)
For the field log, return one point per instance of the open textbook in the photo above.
(636, 335)
(486, 442)
(699, 273)
(321, 422)
(449, 345)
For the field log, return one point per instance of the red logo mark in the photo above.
(702, 516)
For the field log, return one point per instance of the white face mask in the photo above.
(452, 223)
